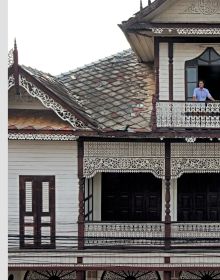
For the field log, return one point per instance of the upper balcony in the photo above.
(184, 114)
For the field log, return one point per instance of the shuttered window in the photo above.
(37, 211)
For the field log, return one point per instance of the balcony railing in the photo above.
(151, 235)
(107, 234)
(195, 234)
(188, 114)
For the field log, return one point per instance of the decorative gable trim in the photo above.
(204, 7)
(48, 102)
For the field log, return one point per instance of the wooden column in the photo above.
(81, 195)
(167, 275)
(170, 56)
(156, 95)
(167, 193)
(80, 275)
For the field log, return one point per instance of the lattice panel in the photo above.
(188, 114)
(203, 275)
(123, 157)
(50, 275)
(130, 275)
(194, 158)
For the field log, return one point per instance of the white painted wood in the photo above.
(182, 53)
(181, 11)
(97, 195)
(23, 101)
(163, 72)
(46, 158)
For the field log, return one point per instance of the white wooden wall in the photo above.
(23, 101)
(46, 158)
(181, 11)
(182, 53)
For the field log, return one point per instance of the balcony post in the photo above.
(80, 275)
(156, 95)
(81, 195)
(167, 275)
(170, 54)
(167, 193)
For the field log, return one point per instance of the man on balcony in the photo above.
(200, 93)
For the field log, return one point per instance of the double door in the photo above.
(199, 197)
(131, 197)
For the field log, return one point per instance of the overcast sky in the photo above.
(57, 36)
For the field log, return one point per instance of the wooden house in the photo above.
(113, 168)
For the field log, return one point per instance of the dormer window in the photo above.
(205, 67)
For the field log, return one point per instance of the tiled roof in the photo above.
(36, 120)
(116, 91)
(61, 91)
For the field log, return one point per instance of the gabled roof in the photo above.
(144, 12)
(56, 95)
(116, 91)
(170, 18)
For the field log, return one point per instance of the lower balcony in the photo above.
(124, 234)
(180, 114)
(151, 235)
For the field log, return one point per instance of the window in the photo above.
(37, 211)
(205, 67)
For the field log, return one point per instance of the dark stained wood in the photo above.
(80, 275)
(167, 193)
(37, 212)
(156, 95)
(133, 136)
(131, 197)
(79, 267)
(80, 148)
(170, 55)
(198, 197)
(167, 275)
(16, 68)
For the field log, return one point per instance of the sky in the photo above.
(57, 36)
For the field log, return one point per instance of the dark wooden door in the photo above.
(198, 197)
(131, 197)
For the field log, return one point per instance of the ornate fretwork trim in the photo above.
(194, 158)
(190, 139)
(205, 7)
(198, 31)
(200, 275)
(187, 31)
(50, 103)
(11, 81)
(47, 137)
(10, 58)
(123, 157)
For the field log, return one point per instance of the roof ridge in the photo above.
(127, 51)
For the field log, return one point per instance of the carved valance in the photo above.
(123, 157)
(194, 158)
